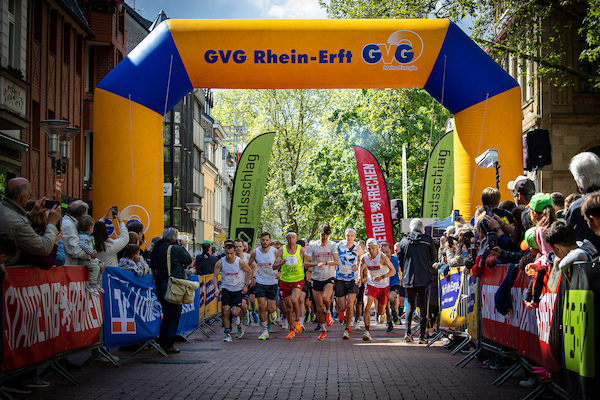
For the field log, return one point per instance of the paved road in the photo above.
(207, 368)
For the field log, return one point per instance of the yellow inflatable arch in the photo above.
(180, 55)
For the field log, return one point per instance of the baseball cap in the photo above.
(372, 242)
(529, 241)
(539, 201)
(522, 184)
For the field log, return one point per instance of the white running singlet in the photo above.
(265, 274)
(374, 268)
(233, 277)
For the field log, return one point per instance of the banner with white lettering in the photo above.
(249, 188)
(519, 328)
(450, 296)
(376, 205)
(438, 180)
(190, 318)
(47, 312)
(131, 309)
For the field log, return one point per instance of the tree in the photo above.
(538, 30)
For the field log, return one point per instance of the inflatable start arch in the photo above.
(180, 55)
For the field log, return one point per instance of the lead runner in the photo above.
(346, 274)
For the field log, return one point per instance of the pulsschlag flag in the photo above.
(378, 219)
(438, 185)
(249, 188)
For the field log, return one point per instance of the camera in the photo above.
(51, 203)
(456, 217)
(473, 251)
(450, 241)
(115, 211)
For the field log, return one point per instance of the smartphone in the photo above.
(489, 211)
(51, 203)
(450, 241)
(473, 253)
(115, 211)
(492, 240)
(456, 217)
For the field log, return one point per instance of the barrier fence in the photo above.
(49, 313)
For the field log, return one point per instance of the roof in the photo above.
(134, 14)
(159, 18)
(73, 9)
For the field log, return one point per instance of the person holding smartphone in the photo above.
(108, 248)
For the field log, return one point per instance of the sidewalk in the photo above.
(207, 368)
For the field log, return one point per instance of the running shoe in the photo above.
(35, 382)
(246, 320)
(239, 334)
(255, 317)
(423, 341)
(328, 319)
(298, 327)
(227, 338)
(395, 317)
(390, 326)
(341, 316)
(408, 337)
(303, 328)
(355, 326)
(318, 327)
(322, 336)
(284, 326)
(236, 320)
(367, 336)
(290, 335)
(346, 335)
(99, 290)
(273, 316)
(264, 336)
(269, 329)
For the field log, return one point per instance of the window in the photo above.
(37, 21)
(89, 79)
(197, 111)
(67, 44)
(79, 55)
(53, 28)
(12, 45)
(197, 158)
(88, 156)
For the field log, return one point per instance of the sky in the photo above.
(234, 9)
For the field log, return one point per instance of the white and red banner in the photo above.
(527, 331)
(378, 219)
(47, 312)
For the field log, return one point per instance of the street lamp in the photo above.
(195, 209)
(65, 138)
(54, 128)
(489, 159)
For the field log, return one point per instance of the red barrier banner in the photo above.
(376, 205)
(47, 312)
(519, 328)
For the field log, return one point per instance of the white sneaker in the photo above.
(264, 336)
(227, 338)
(366, 336)
(355, 326)
(101, 290)
(236, 320)
(528, 383)
(285, 325)
(240, 333)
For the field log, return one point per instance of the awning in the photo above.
(13, 144)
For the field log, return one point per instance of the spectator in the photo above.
(507, 205)
(416, 256)
(561, 236)
(205, 262)
(107, 247)
(38, 223)
(585, 168)
(559, 204)
(133, 261)
(85, 226)
(14, 221)
(8, 248)
(73, 252)
(570, 199)
(180, 258)
(490, 197)
(522, 189)
(591, 212)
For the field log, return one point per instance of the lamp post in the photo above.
(195, 209)
(54, 128)
(489, 159)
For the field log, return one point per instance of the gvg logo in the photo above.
(403, 48)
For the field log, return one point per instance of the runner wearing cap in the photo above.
(321, 260)
(289, 260)
(236, 275)
(265, 289)
(379, 269)
(346, 274)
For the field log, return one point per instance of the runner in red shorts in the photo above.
(379, 269)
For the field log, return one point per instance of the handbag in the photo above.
(179, 291)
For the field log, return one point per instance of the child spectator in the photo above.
(561, 236)
(85, 226)
(591, 211)
(559, 204)
(132, 261)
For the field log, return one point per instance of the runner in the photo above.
(401, 291)
(289, 260)
(265, 289)
(346, 276)
(322, 257)
(248, 297)
(304, 294)
(392, 303)
(235, 281)
(379, 269)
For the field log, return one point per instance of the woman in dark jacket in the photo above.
(180, 259)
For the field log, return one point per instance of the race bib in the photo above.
(291, 260)
(346, 269)
(229, 279)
